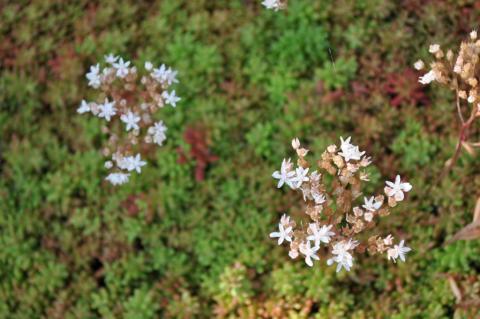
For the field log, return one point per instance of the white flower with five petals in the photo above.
(371, 204)
(342, 256)
(107, 110)
(320, 235)
(122, 67)
(171, 98)
(300, 176)
(397, 188)
(285, 175)
(282, 234)
(130, 119)
(349, 151)
(309, 252)
(398, 251)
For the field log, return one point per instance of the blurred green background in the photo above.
(171, 244)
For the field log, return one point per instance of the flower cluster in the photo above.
(274, 4)
(334, 220)
(459, 72)
(133, 99)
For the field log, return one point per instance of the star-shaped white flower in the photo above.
(282, 234)
(157, 131)
(371, 204)
(398, 251)
(285, 175)
(396, 189)
(300, 176)
(320, 235)
(107, 110)
(171, 98)
(117, 178)
(309, 252)
(349, 151)
(93, 76)
(318, 198)
(164, 75)
(135, 163)
(171, 76)
(342, 256)
(130, 119)
(84, 107)
(111, 59)
(122, 67)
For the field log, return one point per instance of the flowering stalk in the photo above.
(334, 220)
(127, 102)
(459, 72)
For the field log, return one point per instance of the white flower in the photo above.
(170, 98)
(171, 76)
(349, 151)
(282, 234)
(157, 131)
(300, 176)
(111, 59)
(117, 178)
(322, 235)
(471, 99)
(428, 77)
(272, 4)
(131, 119)
(93, 76)
(398, 251)
(473, 34)
(285, 175)
(318, 198)
(148, 66)
(309, 252)
(135, 163)
(122, 68)
(84, 107)
(434, 48)
(419, 65)
(342, 257)
(164, 75)
(371, 204)
(107, 110)
(396, 189)
(108, 164)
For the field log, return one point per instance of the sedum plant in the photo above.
(127, 103)
(338, 220)
(458, 72)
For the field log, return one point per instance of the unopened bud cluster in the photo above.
(127, 103)
(336, 221)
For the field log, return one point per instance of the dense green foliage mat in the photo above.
(170, 245)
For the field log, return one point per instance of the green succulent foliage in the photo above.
(168, 246)
(414, 146)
